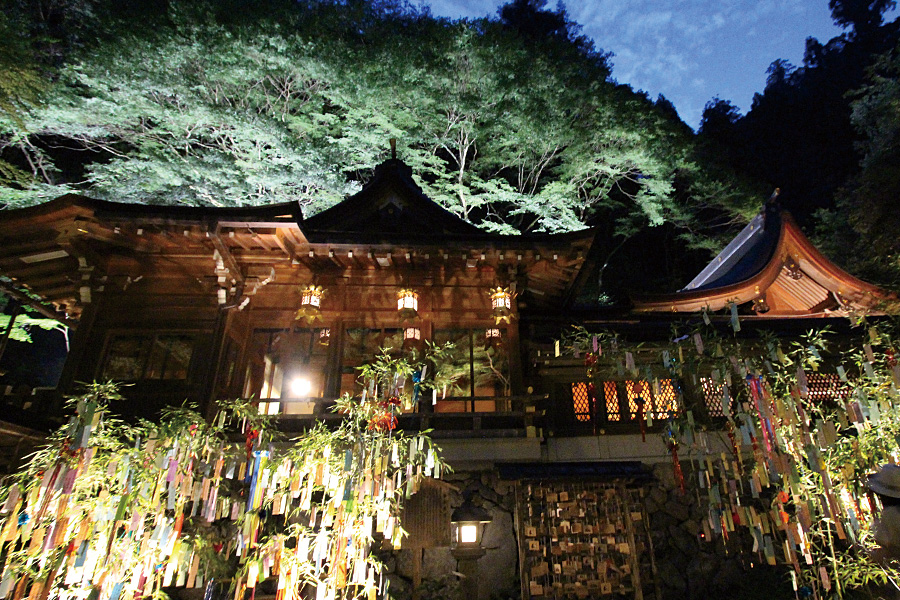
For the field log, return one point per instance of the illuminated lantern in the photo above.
(310, 303)
(492, 336)
(325, 336)
(408, 304)
(501, 304)
(411, 337)
(467, 525)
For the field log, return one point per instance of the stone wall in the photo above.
(688, 564)
(498, 568)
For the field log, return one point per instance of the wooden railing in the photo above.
(478, 417)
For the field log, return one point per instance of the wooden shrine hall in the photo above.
(202, 304)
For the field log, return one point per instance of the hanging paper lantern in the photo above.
(492, 336)
(310, 303)
(411, 337)
(325, 336)
(408, 304)
(501, 304)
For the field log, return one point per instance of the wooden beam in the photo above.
(279, 239)
(230, 263)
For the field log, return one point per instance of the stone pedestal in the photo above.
(467, 566)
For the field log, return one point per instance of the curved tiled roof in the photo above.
(772, 265)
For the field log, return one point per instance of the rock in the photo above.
(661, 521)
(692, 527)
(683, 541)
(665, 474)
(671, 580)
(404, 564)
(700, 573)
(502, 488)
(437, 562)
(497, 568)
(398, 588)
(658, 496)
(687, 499)
(678, 511)
(700, 511)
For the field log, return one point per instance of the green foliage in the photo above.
(24, 322)
(865, 218)
(512, 124)
(810, 483)
(227, 499)
(20, 89)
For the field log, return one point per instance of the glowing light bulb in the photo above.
(300, 387)
(468, 534)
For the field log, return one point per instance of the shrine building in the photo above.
(201, 304)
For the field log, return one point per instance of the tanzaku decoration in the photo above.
(501, 305)
(408, 304)
(109, 511)
(310, 303)
(784, 463)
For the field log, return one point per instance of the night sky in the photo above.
(688, 50)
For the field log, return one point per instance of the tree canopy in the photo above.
(512, 123)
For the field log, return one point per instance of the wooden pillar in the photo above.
(332, 387)
(16, 308)
(514, 352)
(80, 351)
(210, 375)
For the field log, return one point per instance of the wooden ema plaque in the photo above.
(582, 540)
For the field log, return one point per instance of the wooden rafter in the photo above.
(230, 263)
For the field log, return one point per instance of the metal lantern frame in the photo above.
(467, 525)
(493, 337)
(501, 304)
(408, 304)
(310, 303)
(312, 296)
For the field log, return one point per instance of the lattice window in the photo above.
(657, 404)
(581, 401)
(712, 395)
(634, 390)
(136, 357)
(611, 394)
(666, 399)
(823, 387)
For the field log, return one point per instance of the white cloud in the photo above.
(688, 50)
